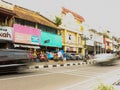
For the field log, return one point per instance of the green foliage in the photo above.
(104, 87)
(58, 20)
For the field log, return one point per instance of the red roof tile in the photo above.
(78, 17)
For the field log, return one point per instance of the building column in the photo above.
(77, 48)
(83, 51)
(64, 35)
(94, 47)
(65, 49)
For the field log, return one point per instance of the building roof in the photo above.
(6, 11)
(93, 30)
(32, 16)
(78, 17)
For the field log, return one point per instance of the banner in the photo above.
(6, 33)
(26, 35)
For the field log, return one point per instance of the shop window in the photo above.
(47, 29)
(24, 22)
(4, 21)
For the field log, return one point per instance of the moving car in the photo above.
(105, 59)
(13, 60)
(70, 56)
(73, 56)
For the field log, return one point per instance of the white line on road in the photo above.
(77, 75)
(79, 83)
(28, 76)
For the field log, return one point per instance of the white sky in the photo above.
(97, 13)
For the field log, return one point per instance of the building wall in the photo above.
(72, 41)
(71, 34)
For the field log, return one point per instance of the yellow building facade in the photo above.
(72, 31)
(72, 41)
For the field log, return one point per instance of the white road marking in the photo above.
(79, 83)
(64, 72)
(28, 76)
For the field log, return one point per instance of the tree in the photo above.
(58, 20)
(102, 86)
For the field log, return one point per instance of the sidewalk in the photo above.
(52, 63)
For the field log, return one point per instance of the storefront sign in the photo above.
(71, 49)
(70, 38)
(26, 35)
(90, 42)
(5, 33)
(50, 39)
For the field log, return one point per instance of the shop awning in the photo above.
(26, 46)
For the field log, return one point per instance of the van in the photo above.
(105, 59)
(13, 60)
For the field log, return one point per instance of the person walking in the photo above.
(60, 56)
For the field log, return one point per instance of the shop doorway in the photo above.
(3, 45)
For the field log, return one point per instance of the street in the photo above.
(59, 44)
(79, 77)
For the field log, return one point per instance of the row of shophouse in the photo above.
(26, 29)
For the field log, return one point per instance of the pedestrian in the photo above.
(34, 56)
(60, 56)
(51, 55)
(64, 56)
(31, 55)
(38, 57)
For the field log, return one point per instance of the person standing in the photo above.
(60, 56)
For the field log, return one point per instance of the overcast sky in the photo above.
(97, 13)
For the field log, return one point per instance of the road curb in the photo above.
(61, 65)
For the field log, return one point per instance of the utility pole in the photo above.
(94, 47)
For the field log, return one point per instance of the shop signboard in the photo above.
(50, 39)
(70, 38)
(26, 35)
(6, 33)
(71, 48)
(90, 42)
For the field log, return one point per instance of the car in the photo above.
(77, 56)
(105, 59)
(13, 60)
(70, 56)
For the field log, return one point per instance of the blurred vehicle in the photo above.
(105, 59)
(73, 56)
(70, 56)
(13, 60)
(78, 56)
(118, 54)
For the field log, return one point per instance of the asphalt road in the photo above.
(81, 77)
